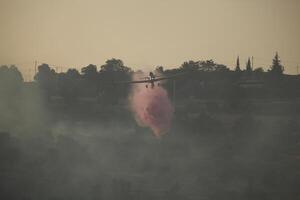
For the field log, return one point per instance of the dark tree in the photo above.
(237, 67)
(207, 66)
(11, 73)
(89, 72)
(259, 70)
(277, 67)
(11, 81)
(211, 66)
(248, 66)
(46, 79)
(190, 66)
(159, 70)
(111, 72)
(91, 80)
(69, 83)
(45, 74)
(115, 70)
(73, 73)
(115, 65)
(221, 68)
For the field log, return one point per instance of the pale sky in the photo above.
(144, 34)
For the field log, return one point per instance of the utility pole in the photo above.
(174, 91)
(252, 63)
(35, 64)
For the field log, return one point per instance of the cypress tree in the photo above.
(248, 66)
(237, 67)
(277, 67)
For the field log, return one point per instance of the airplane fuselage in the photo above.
(151, 79)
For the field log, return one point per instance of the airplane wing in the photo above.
(145, 78)
(132, 82)
(149, 81)
(168, 77)
(143, 81)
(160, 79)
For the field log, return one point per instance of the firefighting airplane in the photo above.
(151, 79)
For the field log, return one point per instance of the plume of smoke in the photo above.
(152, 108)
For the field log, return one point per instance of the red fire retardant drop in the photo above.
(152, 108)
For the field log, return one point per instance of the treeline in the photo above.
(212, 79)
(88, 83)
(11, 81)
